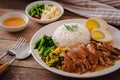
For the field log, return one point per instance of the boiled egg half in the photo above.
(95, 22)
(101, 34)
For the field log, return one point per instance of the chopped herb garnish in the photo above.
(75, 26)
(50, 5)
(67, 27)
(71, 27)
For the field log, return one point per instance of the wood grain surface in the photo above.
(29, 69)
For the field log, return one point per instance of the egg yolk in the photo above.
(98, 35)
(92, 24)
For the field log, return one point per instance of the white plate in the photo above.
(49, 29)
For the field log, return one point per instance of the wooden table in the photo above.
(29, 69)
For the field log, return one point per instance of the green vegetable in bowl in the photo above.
(36, 10)
(42, 6)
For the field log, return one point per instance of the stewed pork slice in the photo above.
(102, 59)
(103, 54)
(82, 58)
(84, 51)
(93, 56)
(80, 51)
(109, 61)
(76, 60)
(77, 52)
(68, 64)
(105, 59)
(102, 62)
(114, 57)
(111, 49)
(113, 53)
(106, 56)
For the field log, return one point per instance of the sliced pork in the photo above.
(82, 58)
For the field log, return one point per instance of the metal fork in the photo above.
(12, 51)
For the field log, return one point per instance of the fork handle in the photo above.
(3, 55)
(5, 66)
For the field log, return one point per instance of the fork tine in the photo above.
(22, 43)
(17, 42)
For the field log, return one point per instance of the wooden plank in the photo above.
(18, 73)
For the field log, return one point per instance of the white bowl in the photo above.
(10, 15)
(44, 2)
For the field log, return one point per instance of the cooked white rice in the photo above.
(64, 37)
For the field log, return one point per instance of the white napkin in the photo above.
(106, 9)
